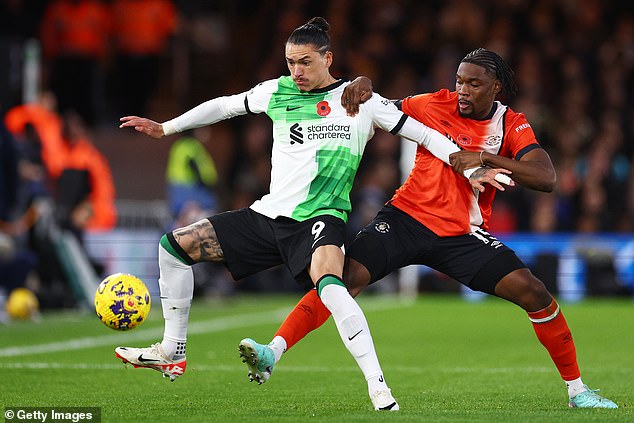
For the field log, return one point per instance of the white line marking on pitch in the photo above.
(291, 368)
(213, 325)
(207, 326)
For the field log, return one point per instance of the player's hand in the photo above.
(147, 126)
(357, 92)
(463, 160)
(494, 177)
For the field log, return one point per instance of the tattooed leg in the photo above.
(199, 241)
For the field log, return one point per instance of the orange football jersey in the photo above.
(434, 194)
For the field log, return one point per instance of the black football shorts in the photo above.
(252, 242)
(394, 240)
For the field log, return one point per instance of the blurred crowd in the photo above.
(574, 64)
(101, 59)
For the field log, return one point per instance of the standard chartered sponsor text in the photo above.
(318, 132)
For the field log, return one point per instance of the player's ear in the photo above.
(328, 58)
(497, 87)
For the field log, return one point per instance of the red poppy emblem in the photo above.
(464, 139)
(323, 109)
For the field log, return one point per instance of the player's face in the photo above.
(476, 89)
(309, 68)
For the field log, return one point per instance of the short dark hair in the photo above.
(314, 32)
(495, 65)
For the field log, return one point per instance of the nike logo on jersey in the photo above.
(290, 109)
(350, 338)
(146, 360)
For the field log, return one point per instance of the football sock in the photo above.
(309, 314)
(376, 383)
(278, 345)
(553, 332)
(353, 329)
(180, 350)
(176, 283)
(575, 387)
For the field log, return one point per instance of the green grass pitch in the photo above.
(445, 359)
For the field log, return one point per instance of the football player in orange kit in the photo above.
(436, 219)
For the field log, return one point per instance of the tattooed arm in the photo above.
(199, 241)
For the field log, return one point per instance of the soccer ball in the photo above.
(122, 301)
(22, 304)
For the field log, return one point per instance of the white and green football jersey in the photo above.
(317, 148)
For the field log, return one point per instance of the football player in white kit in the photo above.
(316, 152)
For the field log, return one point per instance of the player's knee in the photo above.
(327, 259)
(198, 241)
(365, 262)
(536, 293)
(169, 245)
(525, 290)
(355, 276)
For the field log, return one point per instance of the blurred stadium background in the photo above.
(573, 59)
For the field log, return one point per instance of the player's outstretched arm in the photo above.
(206, 113)
(144, 125)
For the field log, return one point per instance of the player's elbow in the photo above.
(548, 181)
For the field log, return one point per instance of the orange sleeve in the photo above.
(103, 194)
(520, 134)
(48, 127)
(15, 120)
(415, 106)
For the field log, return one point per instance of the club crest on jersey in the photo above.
(323, 108)
(382, 227)
(464, 139)
(493, 140)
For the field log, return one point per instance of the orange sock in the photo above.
(309, 314)
(553, 332)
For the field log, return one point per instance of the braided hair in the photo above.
(496, 66)
(314, 32)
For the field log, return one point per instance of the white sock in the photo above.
(278, 345)
(176, 283)
(355, 333)
(376, 383)
(575, 387)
